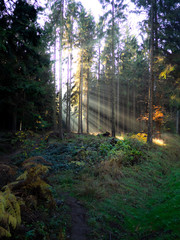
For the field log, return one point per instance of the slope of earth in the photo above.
(102, 188)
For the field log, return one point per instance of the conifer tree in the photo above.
(164, 45)
(115, 11)
(86, 28)
(25, 65)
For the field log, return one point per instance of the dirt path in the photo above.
(79, 229)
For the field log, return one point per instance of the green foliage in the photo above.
(41, 123)
(105, 148)
(132, 207)
(25, 84)
(10, 214)
(33, 182)
(129, 151)
(141, 137)
(120, 188)
(33, 194)
(31, 185)
(30, 234)
(21, 136)
(29, 142)
(37, 229)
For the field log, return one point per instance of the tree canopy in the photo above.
(104, 67)
(25, 85)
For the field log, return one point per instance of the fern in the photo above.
(33, 161)
(31, 187)
(10, 213)
(4, 232)
(7, 174)
(32, 183)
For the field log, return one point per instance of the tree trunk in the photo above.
(60, 89)
(68, 98)
(151, 78)
(123, 114)
(134, 108)
(79, 108)
(54, 96)
(80, 127)
(109, 107)
(117, 106)
(113, 76)
(98, 101)
(156, 27)
(128, 106)
(60, 73)
(70, 80)
(14, 119)
(87, 105)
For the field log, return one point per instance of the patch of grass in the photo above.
(130, 188)
(160, 216)
(90, 190)
(124, 199)
(62, 181)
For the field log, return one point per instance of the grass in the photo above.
(130, 189)
(130, 198)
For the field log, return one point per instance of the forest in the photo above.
(90, 120)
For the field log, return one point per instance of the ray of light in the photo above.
(159, 142)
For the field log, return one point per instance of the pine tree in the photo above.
(70, 18)
(25, 65)
(86, 28)
(165, 49)
(115, 12)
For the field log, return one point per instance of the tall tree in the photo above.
(61, 32)
(86, 28)
(57, 19)
(115, 11)
(113, 72)
(25, 66)
(165, 48)
(70, 18)
(54, 78)
(151, 78)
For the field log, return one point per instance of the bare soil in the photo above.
(79, 227)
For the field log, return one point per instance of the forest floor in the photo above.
(87, 187)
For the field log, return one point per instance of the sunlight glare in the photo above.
(120, 137)
(159, 142)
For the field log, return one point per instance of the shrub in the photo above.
(105, 148)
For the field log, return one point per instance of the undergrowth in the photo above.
(10, 214)
(131, 189)
(135, 201)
